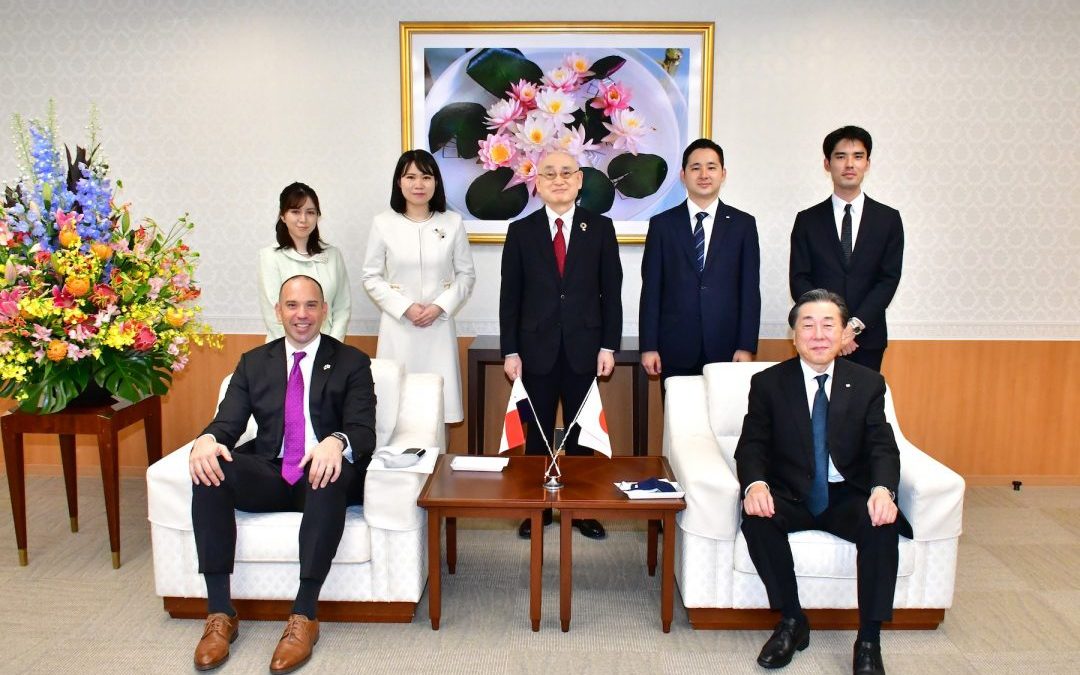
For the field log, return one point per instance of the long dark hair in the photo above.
(293, 197)
(426, 164)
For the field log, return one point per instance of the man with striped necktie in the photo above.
(700, 297)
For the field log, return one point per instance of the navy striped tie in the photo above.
(699, 240)
(818, 499)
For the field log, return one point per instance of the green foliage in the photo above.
(495, 69)
(488, 198)
(460, 122)
(597, 190)
(637, 176)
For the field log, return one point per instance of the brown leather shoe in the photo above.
(213, 649)
(294, 649)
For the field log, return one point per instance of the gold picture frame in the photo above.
(450, 75)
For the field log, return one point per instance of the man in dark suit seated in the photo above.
(314, 401)
(851, 245)
(700, 296)
(817, 454)
(560, 307)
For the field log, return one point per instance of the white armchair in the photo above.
(380, 568)
(719, 584)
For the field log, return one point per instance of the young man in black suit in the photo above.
(313, 399)
(700, 293)
(816, 453)
(560, 306)
(851, 245)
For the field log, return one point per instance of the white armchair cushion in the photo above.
(820, 554)
(387, 375)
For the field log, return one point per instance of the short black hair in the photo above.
(819, 295)
(702, 143)
(427, 165)
(293, 197)
(847, 133)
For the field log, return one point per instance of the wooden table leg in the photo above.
(451, 545)
(152, 428)
(434, 568)
(16, 475)
(108, 450)
(654, 531)
(536, 560)
(566, 565)
(67, 459)
(667, 574)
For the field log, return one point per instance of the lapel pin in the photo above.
(727, 217)
(847, 385)
(583, 226)
(326, 366)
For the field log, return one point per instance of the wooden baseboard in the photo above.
(275, 610)
(715, 618)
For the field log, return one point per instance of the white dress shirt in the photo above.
(707, 224)
(306, 365)
(856, 216)
(567, 224)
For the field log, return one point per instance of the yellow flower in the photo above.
(175, 317)
(69, 238)
(102, 251)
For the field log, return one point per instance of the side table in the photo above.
(105, 422)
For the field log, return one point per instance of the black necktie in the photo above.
(845, 233)
(818, 499)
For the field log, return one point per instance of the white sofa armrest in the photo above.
(168, 490)
(698, 462)
(390, 496)
(931, 494)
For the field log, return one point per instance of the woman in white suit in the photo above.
(418, 269)
(300, 250)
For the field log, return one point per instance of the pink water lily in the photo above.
(627, 128)
(558, 105)
(561, 77)
(525, 172)
(504, 114)
(496, 151)
(524, 92)
(612, 98)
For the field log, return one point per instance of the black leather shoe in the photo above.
(790, 635)
(590, 528)
(525, 529)
(867, 659)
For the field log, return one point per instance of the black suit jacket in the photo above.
(342, 398)
(869, 281)
(777, 446)
(582, 309)
(718, 309)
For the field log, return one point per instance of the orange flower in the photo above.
(57, 350)
(69, 237)
(175, 317)
(77, 286)
(102, 251)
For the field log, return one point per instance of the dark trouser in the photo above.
(254, 484)
(546, 390)
(848, 518)
(871, 358)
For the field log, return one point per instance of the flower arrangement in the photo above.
(575, 106)
(86, 295)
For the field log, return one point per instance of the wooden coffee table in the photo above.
(515, 492)
(589, 492)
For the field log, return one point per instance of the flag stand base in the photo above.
(553, 484)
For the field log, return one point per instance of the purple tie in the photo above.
(294, 423)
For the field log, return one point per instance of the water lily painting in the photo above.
(624, 99)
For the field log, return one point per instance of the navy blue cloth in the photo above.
(818, 499)
(654, 484)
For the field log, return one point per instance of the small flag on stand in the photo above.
(518, 412)
(593, 423)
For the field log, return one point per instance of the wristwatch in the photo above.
(857, 326)
(341, 437)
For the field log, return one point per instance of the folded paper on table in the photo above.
(425, 465)
(473, 463)
(627, 488)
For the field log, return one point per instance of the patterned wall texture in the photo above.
(213, 107)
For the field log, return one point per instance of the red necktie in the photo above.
(560, 247)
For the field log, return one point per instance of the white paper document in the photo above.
(477, 463)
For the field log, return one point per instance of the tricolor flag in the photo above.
(593, 423)
(518, 411)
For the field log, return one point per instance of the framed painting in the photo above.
(488, 99)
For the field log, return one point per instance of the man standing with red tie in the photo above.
(313, 399)
(560, 306)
